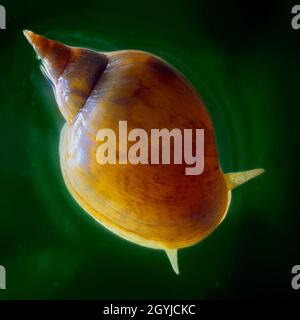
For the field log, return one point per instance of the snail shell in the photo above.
(156, 206)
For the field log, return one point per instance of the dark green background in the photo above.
(245, 62)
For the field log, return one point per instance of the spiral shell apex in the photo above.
(154, 205)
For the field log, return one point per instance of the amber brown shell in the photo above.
(158, 206)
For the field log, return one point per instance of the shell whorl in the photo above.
(73, 72)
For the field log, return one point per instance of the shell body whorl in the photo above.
(154, 205)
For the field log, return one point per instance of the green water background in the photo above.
(244, 61)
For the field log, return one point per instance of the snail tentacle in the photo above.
(236, 179)
(173, 258)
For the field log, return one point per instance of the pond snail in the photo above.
(154, 205)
